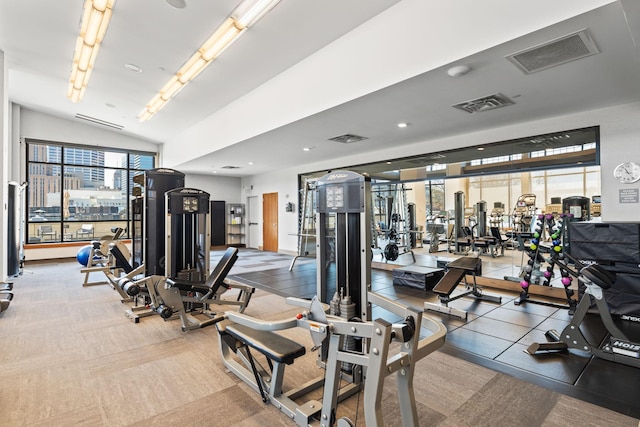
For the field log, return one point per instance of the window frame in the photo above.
(42, 164)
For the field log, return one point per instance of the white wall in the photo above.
(4, 163)
(285, 183)
(219, 187)
(35, 125)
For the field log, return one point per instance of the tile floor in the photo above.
(494, 335)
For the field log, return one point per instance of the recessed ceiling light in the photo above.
(308, 148)
(133, 67)
(403, 125)
(251, 163)
(388, 163)
(480, 148)
(178, 4)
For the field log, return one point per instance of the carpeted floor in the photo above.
(69, 356)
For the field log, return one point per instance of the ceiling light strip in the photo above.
(245, 15)
(93, 26)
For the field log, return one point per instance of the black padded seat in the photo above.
(599, 276)
(121, 260)
(215, 279)
(274, 346)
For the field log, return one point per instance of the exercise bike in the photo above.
(618, 348)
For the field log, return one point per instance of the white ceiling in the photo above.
(38, 36)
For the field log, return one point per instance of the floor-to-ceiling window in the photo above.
(77, 192)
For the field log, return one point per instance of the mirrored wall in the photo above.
(547, 168)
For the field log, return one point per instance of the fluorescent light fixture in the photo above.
(403, 125)
(95, 20)
(245, 15)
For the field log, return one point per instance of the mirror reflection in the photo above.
(486, 199)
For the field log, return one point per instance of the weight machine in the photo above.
(350, 344)
(486, 242)
(394, 221)
(523, 213)
(436, 227)
(187, 288)
(461, 236)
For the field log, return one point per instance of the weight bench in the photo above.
(278, 350)
(457, 271)
(172, 295)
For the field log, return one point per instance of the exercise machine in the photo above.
(242, 338)
(436, 227)
(177, 296)
(398, 224)
(350, 345)
(460, 240)
(5, 295)
(457, 271)
(343, 239)
(187, 287)
(96, 257)
(490, 243)
(617, 347)
(523, 213)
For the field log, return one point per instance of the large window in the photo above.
(79, 193)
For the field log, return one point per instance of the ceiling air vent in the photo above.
(230, 167)
(348, 138)
(425, 159)
(486, 103)
(99, 122)
(555, 52)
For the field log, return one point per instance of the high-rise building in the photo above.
(74, 159)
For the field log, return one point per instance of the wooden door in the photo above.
(270, 222)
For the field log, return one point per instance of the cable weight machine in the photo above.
(395, 220)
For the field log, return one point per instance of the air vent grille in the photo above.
(99, 121)
(565, 49)
(421, 160)
(348, 138)
(486, 103)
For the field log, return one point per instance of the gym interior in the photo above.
(464, 272)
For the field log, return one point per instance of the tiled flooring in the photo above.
(494, 335)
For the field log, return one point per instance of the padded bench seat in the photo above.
(274, 346)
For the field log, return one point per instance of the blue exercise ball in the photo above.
(84, 254)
